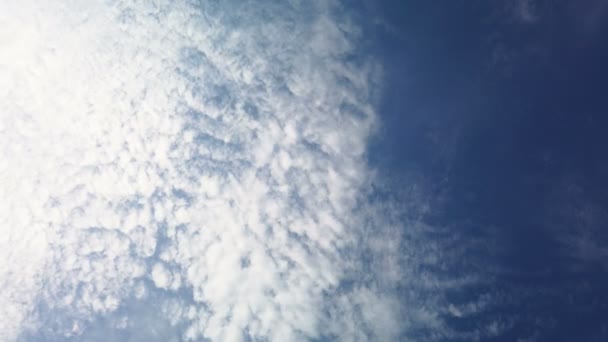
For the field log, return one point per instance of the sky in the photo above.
(303, 170)
(500, 105)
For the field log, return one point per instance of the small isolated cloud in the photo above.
(525, 10)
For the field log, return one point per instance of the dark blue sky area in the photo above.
(502, 106)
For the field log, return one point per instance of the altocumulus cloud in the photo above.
(205, 158)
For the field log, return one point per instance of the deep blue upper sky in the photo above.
(502, 106)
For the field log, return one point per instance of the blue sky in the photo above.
(323, 170)
(500, 106)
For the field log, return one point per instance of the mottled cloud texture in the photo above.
(180, 170)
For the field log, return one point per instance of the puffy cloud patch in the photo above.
(205, 157)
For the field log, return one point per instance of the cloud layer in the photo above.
(191, 166)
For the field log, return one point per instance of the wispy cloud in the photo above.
(525, 10)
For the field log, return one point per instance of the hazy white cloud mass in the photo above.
(186, 170)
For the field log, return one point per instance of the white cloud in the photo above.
(213, 151)
(525, 11)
